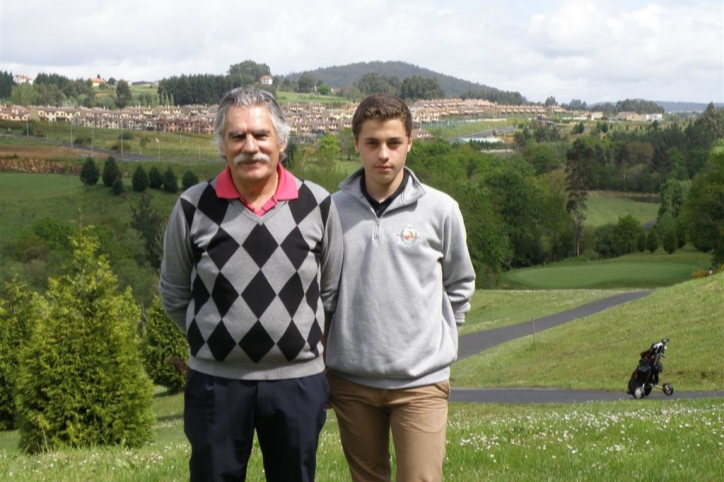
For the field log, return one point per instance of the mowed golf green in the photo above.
(644, 270)
(608, 209)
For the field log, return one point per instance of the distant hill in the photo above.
(685, 106)
(342, 76)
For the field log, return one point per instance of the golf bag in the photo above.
(646, 376)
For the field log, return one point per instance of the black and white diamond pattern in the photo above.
(256, 293)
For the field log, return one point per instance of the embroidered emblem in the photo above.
(408, 236)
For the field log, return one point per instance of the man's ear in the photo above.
(356, 145)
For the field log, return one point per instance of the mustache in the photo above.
(245, 158)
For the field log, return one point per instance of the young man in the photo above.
(251, 268)
(407, 280)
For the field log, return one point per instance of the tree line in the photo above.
(624, 157)
(60, 91)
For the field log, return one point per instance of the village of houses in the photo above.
(307, 120)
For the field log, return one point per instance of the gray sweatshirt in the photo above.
(406, 285)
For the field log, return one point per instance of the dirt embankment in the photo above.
(39, 166)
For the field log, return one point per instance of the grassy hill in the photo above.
(601, 351)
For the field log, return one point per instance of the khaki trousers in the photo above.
(417, 418)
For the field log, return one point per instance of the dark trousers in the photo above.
(220, 416)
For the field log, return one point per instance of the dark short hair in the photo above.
(381, 107)
(250, 97)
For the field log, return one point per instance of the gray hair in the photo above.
(250, 97)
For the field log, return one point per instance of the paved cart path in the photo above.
(474, 343)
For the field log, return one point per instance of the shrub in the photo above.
(118, 186)
(170, 183)
(55, 233)
(31, 247)
(641, 242)
(140, 179)
(681, 233)
(149, 222)
(670, 242)
(164, 349)
(81, 381)
(110, 171)
(189, 179)
(155, 179)
(89, 172)
(652, 240)
(16, 317)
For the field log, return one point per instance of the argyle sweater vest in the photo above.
(256, 310)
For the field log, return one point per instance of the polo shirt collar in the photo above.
(286, 189)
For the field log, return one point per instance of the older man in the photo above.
(251, 265)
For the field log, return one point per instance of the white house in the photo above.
(22, 79)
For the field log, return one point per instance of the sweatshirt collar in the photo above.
(412, 191)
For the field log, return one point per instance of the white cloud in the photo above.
(589, 50)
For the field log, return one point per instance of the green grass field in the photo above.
(171, 146)
(498, 308)
(675, 439)
(639, 270)
(606, 210)
(601, 351)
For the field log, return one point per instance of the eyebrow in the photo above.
(373, 138)
(257, 132)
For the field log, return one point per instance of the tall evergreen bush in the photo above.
(140, 179)
(189, 179)
(165, 349)
(652, 240)
(81, 380)
(89, 173)
(118, 187)
(155, 178)
(16, 318)
(170, 182)
(111, 171)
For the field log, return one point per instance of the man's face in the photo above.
(250, 145)
(383, 147)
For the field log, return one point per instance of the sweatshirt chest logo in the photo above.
(408, 236)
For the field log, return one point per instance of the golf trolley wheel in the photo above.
(668, 389)
(638, 392)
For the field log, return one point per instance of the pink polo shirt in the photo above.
(286, 190)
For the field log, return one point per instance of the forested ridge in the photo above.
(350, 82)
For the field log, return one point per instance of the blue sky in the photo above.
(595, 51)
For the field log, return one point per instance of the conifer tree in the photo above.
(89, 173)
(118, 186)
(652, 240)
(164, 349)
(16, 317)
(170, 182)
(110, 171)
(189, 179)
(140, 179)
(155, 178)
(81, 381)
